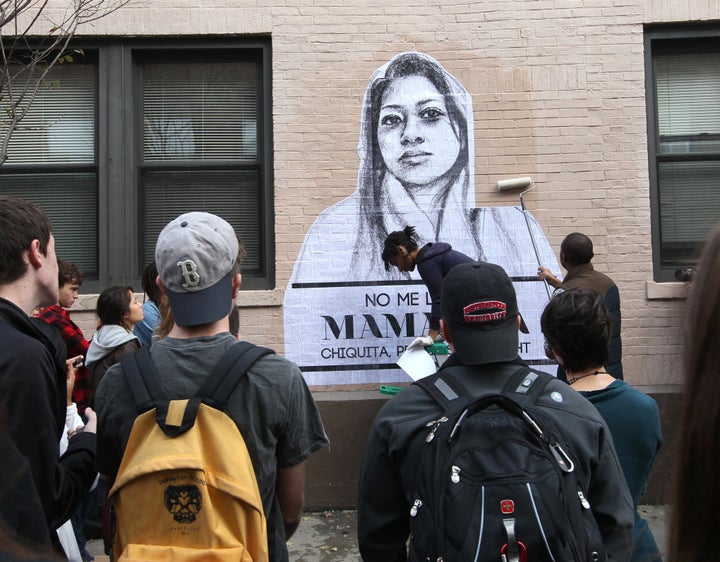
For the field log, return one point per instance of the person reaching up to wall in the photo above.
(576, 251)
(433, 261)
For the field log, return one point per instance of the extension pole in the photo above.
(532, 237)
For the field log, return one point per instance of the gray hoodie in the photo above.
(108, 344)
(105, 340)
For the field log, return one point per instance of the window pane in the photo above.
(688, 102)
(199, 111)
(232, 194)
(688, 93)
(59, 126)
(685, 143)
(689, 208)
(70, 200)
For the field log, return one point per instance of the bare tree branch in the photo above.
(27, 58)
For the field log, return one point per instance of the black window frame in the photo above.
(658, 40)
(119, 142)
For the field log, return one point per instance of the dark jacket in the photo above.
(434, 261)
(395, 445)
(33, 403)
(109, 343)
(98, 370)
(584, 276)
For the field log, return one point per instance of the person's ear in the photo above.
(35, 256)
(445, 332)
(401, 250)
(160, 285)
(550, 352)
(236, 282)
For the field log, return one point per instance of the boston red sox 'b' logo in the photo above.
(190, 273)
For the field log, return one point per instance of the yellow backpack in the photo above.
(186, 489)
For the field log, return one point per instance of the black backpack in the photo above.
(495, 482)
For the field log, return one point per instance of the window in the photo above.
(683, 93)
(130, 135)
(52, 158)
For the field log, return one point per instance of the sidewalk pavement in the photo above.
(330, 536)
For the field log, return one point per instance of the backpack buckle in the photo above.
(521, 555)
(513, 550)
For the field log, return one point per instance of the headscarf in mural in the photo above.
(347, 319)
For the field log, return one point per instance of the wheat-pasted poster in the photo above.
(347, 319)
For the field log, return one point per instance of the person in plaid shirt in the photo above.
(69, 280)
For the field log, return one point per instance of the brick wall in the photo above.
(558, 94)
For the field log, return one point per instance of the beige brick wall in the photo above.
(558, 94)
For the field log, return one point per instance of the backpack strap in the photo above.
(175, 417)
(438, 388)
(449, 386)
(526, 385)
(227, 373)
(143, 379)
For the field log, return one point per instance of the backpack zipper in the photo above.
(434, 425)
(417, 504)
(455, 474)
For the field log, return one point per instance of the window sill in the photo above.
(666, 291)
(252, 299)
(245, 299)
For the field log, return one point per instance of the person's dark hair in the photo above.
(69, 273)
(696, 492)
(577, 248)
(167, 320)
(577, 326)
(240, 257)
(21, 222)
(148, 282)
(113, 304)
(234, 320)
(405, 237)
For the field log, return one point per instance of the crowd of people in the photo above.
(52, 457)
(55, 447)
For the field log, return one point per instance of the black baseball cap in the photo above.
(479, 307)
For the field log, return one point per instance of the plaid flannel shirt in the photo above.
(76, 345)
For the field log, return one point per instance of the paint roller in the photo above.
(527, 184)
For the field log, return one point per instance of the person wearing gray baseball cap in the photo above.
(195, 256)
(197, 260)
(480, 321)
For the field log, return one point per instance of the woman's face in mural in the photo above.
(415, 135)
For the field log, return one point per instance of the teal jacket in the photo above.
(634, 422)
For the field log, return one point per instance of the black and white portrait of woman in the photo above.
(347, 319)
